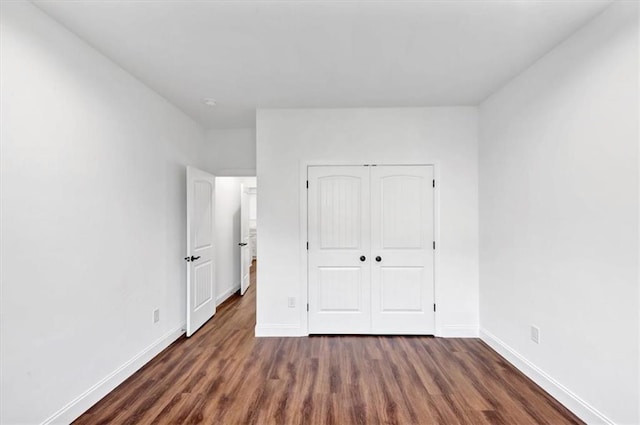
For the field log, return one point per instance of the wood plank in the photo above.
(223, 374)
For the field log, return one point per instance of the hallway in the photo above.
(224, 375)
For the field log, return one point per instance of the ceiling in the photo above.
(275, 54)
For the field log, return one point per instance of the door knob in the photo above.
(192, 258)
(378, 258)
(242, 244)
(363, 258)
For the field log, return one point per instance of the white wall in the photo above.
(231, 152)
(559, 218)
(93, 219)
(228, 234)
(287, 138)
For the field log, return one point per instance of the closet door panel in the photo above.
(339, 245)
(402, 235)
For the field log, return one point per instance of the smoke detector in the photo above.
(209, 101)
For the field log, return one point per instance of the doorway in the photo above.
(236, 214)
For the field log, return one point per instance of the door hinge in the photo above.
(434, 244)
(307, 184)
(307, 246)
(307, 306)
(434, 183)
(434, 307)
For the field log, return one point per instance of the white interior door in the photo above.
(245, 248)
(402, 238)
(339, 233)
(201, 300)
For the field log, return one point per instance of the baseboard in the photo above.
(459, 331)
(226, 294)
(279, 330)
(90, 397)
(571, 401)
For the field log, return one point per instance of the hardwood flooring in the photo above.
(224, 375)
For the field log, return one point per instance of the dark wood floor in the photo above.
(223, 375)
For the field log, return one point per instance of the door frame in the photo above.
(304, 216)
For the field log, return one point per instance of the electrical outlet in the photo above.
(291, 302)
(535, 334)
(156, 315)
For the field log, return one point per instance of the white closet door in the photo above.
(339, 242)
(402, 235)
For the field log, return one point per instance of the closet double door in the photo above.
(371, 249)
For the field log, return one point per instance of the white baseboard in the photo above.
(226, 294)
(91, 396)
(570, 400)
(459, 331)
(279, 330)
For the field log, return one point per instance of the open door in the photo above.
(245, 249)
(201, 300)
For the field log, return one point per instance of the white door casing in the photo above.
(201, 300)
(338, 205)
(245, 248)
(384, 212)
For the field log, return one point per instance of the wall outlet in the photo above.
(535, 334)
(156, 315)
(291, 302)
